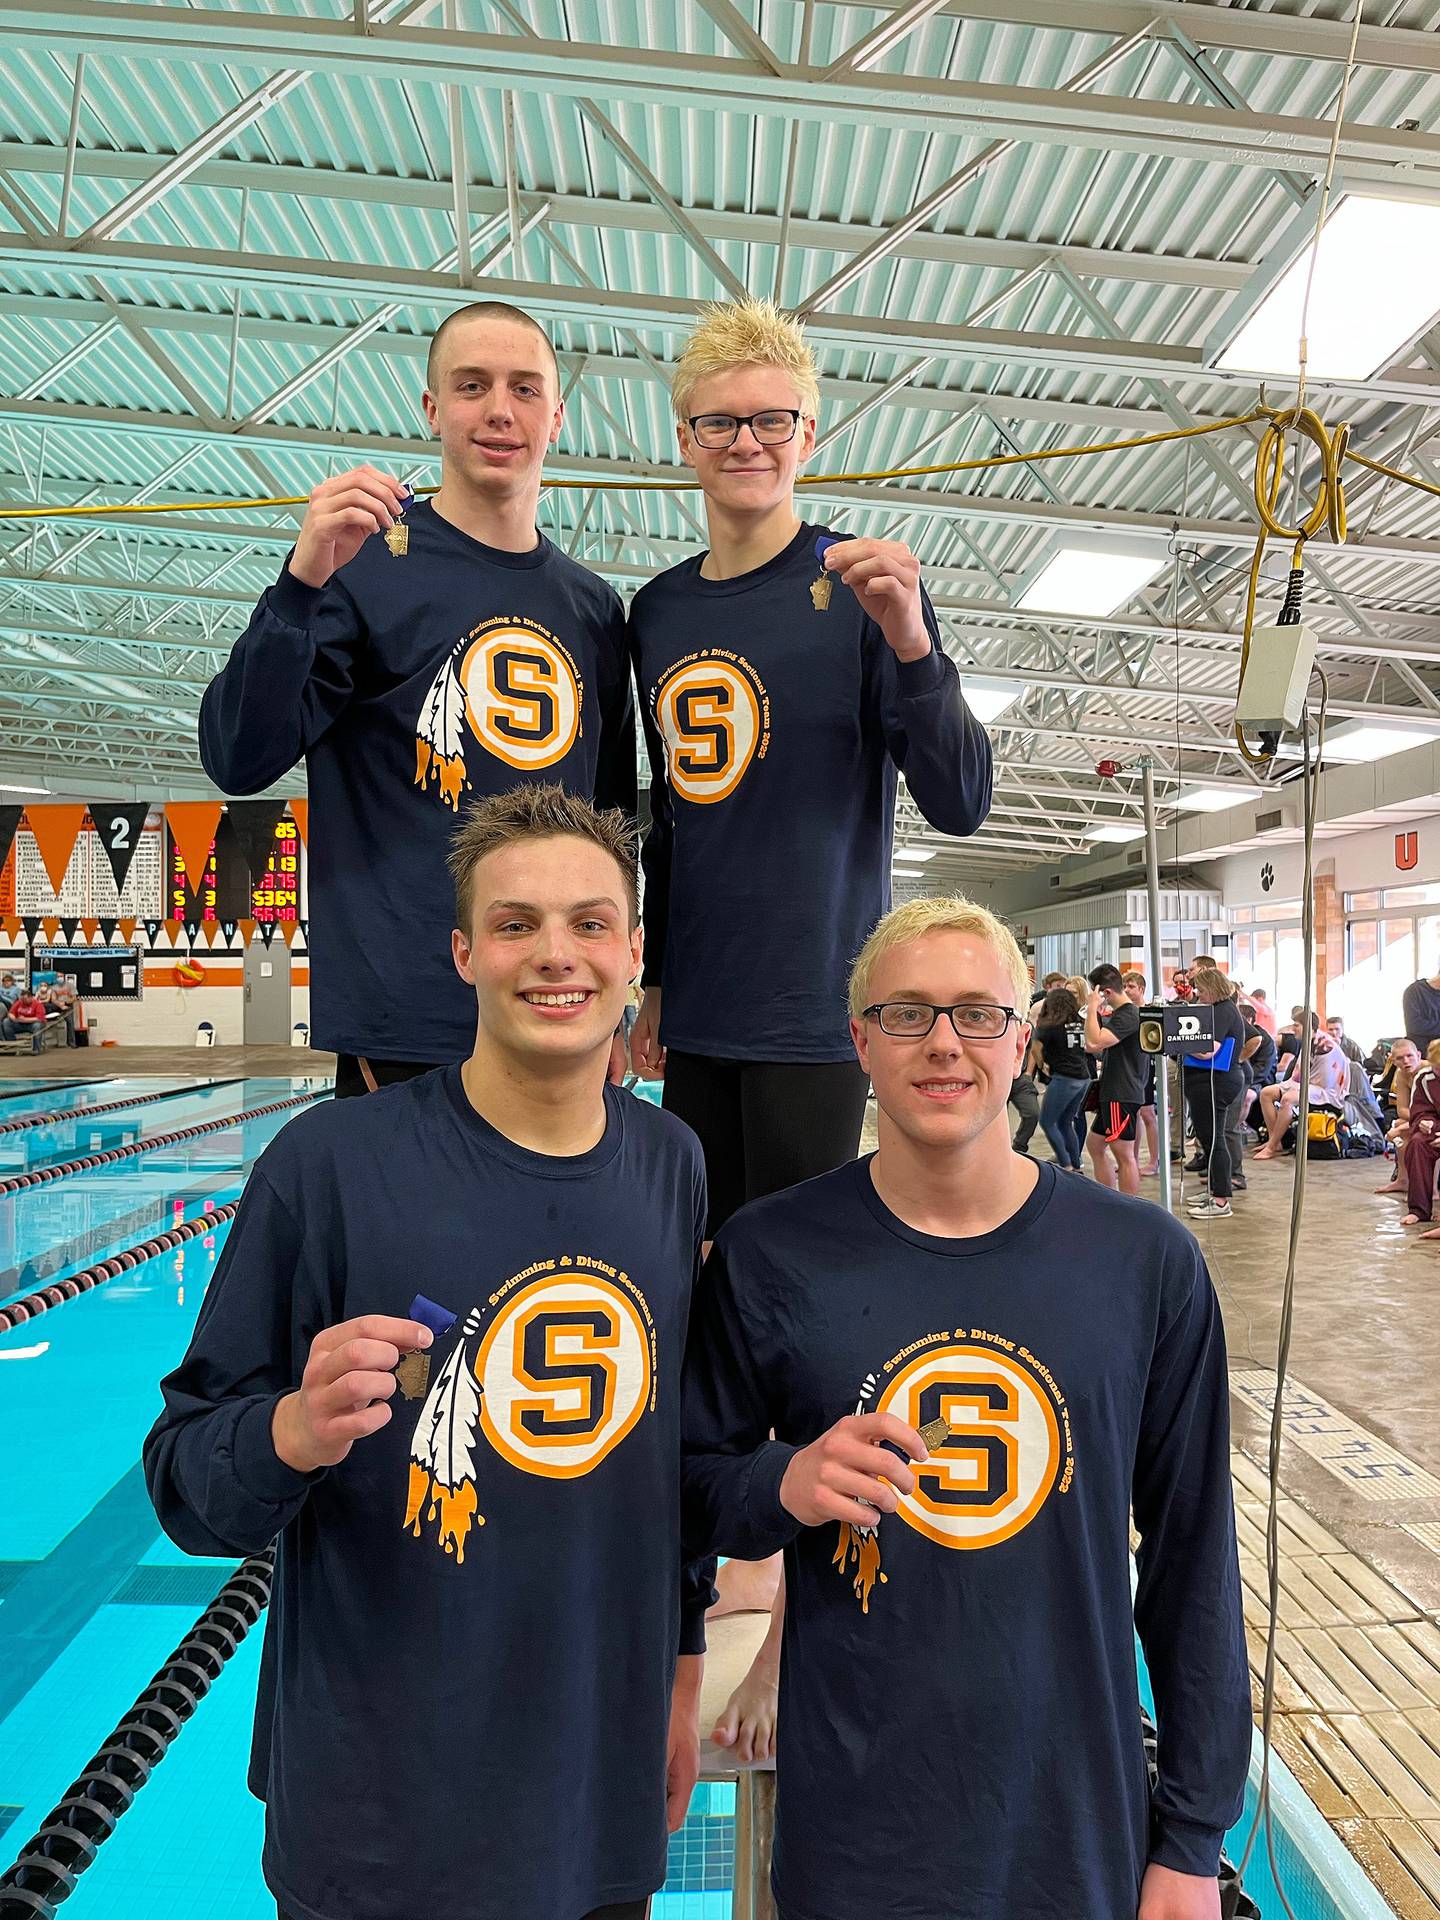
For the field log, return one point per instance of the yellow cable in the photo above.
(664, 486)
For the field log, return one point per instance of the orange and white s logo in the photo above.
(565, 1373)
(522, 696)
(997, 1467)
(714, 717)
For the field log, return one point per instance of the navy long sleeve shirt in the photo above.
(409, 686)
(777, 731)
(468, 1658)
(959, 1731)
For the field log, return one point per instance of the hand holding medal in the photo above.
(345, 1390)
(884, 576)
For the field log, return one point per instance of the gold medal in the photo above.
(934, 1433)
(397, 539)
(820, 591)
(413, 1372)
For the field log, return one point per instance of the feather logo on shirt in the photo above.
(552, 1375)
(997, 1427)
(511, 685)
(713, 713)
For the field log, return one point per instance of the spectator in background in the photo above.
(1047, 985)
(1214, 1085)
(1400, 1071)
(60, 997)
(1059, 1045)
(1112, 1031)
(26, 1017)
(1264, 1012)
(1422, 1148)
(1287, 1041)
(1258, 1059)
(1421, 1005)
(9, 990)
(1335, 1027)
(1134, 984)
(1329, 1076)
(1180, 987)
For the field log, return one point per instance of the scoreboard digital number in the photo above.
(192, 902)
(276, 894)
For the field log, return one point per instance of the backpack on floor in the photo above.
(1363, 1133)
(1327, 1135)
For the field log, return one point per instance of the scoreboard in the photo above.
(225, 890)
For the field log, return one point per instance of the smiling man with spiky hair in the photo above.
(440, 1359)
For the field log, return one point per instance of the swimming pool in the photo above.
(93, 1597)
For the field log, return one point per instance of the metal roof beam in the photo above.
(1284, 35)
(608, 306)
(697, 82)
(637, 216)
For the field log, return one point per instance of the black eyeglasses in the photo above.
(913, 1019)
(772, 428)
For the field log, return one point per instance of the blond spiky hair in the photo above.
(746, 333)
(952, 914)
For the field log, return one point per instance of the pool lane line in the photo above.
(64, 1114)
(18, 1182)
(153, 1216)
(19, 1311)
(45, 1870)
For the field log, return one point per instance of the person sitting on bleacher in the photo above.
(60, 997)
(1329, 1075)
(27, 1016)
(9, 991)
(1403, 1064)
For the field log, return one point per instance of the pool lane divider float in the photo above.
(63, 1114)
(47, 1867)
(17, 1312)
(19, 1181)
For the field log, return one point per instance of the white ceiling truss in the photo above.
(227, 231)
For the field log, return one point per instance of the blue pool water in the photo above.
(93, 1597)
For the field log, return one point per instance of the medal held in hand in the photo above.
(821, 589)
(412, 1374)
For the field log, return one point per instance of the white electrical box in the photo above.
(1277, 677)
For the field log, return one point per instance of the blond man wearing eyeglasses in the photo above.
(973, 1370)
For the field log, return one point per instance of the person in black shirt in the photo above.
(1421, 1010)
(479, 1691)
(1214, 1083)
(1112, 1030)
(1059, 1045)
(412, 652)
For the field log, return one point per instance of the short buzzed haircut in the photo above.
(1106, 976)
(485, 310)
(542, 811)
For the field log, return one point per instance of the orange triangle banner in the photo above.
(172, 930)
(12, 926)
(192, 827)
(291, 929)
(127, 931)
(300, 814)
(247, 932)
(55, 828)
(90, 928)
(51, 930)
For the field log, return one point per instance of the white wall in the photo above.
(1360, 861)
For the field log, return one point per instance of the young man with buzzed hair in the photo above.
(480, 1683)
(941, 1379)
(415, 654)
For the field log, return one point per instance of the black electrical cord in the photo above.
(47, 1867)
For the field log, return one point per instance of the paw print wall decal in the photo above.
(1267, 876)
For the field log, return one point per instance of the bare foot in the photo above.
(1392, 1188)
(1413, 1220)
(748, 1722)
(746, 1586)
(1267, 1153)
(1433, 1233)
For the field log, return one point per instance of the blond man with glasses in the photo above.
(973, 1369)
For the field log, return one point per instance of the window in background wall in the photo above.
(1383, 953)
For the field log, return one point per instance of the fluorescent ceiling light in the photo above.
(1377, 285)
(987, 699)
(1373, 740)
(914, 853)
(7, 787)
(1117, 833)
(1207, 799)
(1092, 575)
